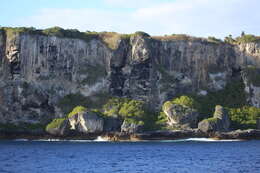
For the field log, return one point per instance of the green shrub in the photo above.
(244, 117)
(185, 101)
(55, 123)
(232, 96)
(214, 40)
(229, 40)
(182, 100)
(76, 110)
(247, 38)
(212, 119)
(124, 107)
(161, 121)
(142, 33)
(132, 108)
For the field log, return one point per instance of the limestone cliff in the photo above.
(37, 70)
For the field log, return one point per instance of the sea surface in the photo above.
(181, 156)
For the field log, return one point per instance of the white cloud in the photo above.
(195, 17)
(130, 3)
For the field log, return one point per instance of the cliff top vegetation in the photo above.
(111, 39)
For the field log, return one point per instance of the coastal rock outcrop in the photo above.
(80, 123)
(131, 127)
(61, 129)
(137, 66)
(219, 122)
(180, 116)
(86, 122)
(238, 134)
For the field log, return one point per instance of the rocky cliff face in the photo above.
(37, 71)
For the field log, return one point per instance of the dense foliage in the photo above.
(247, 38)
(185, 101)
(232, 96)
(55, 123)
(244, 117)
(76, 110)
(214, 40)
(133, 110)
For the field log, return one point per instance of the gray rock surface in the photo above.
(251, 78)
(219, 122)
(62, 130)
(144, 68)
(112, 124)
(258, 123)
(239, 134)
(128, 127)
(86, 122)
(181, 116)
(80, 123)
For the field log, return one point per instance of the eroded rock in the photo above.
(131, 127)
(180, 116)
(86, 122)
(219, 122)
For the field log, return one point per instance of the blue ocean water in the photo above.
(129, 157)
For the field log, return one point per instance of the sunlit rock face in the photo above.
(141, 67)
(180, 116)
(220, 121)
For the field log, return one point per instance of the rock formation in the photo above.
(219, 122)
(258, 123)
(131, 127)
(86, 122)
(81, 123)
(37, 70)
(180, 116)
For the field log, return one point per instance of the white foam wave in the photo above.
(61, 140)
(100, 139)
(201, 140)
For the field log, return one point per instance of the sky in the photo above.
(201, 18)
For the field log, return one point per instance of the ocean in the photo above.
(180, 156)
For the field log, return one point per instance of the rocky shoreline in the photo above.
(250, 134)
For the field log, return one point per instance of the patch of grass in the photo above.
(212, 120)
(178, 37)
(76, 110)
(55, 123)
(111, 39)
(214, 40)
